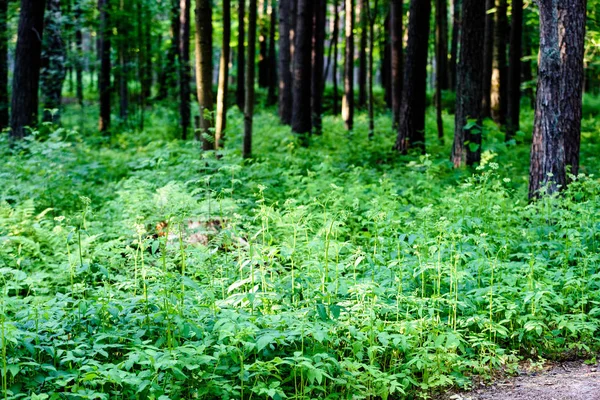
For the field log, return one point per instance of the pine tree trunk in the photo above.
(502, 36)
(488, 59)
(301, 115)
(3, 64)
(241, 56)
(513, 105)
(411, 126)
(319, 17)
(185, 68)
(396, 13)
(223, 76)
(547, 168)
(27, 67)
(456, 28)
(285, 73)
(272, 78)
(249, 84)
(348, 99)
(467, 130)
(204, 70)
(362, 55)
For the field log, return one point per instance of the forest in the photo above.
(299, 199)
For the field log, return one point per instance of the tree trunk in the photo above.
(319, 16)
(250, 68)
(488, 60)
(441, 57)
(397, 8)
(362, 55)
(168, 73)
(371, 15)
(571, 20)
(263, 56)
(411, 126)
(27, 67)
(348, 99)
(54, 57)
(514, 72)
(104, 85)
(223, 76)
(456, 28)
(122, 44)
(336, 40)
(467, 130)
(184, 71)
(502, 36)
(240, 92)
(301, 114)
(386, 61)
(3, 64)
(285, 73)
(547, 168)
(79, 53)
(272, 83)
(204, 70)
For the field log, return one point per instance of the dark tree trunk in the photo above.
(396, 13)
(54, 57)
(411, 126)
(185, 72)
(571, 20)
(249, 84)
(263, 50)
(301, 114)
(348, 99)
(223, 76)
(240, 92)
(79, 53)
(502, 35)
(456, 28)
(3, 64)
(319, 16)
(204, 70)
(547, 168)
(272, 92)
(336, 40)
(488, 60)
(441, 57)
(168, 73)
(104, 85)
(467, 130)
(514, 72)
(285, 73)
(362, 55)
(27, 67)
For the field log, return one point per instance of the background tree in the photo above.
(336, 40)
(318, 84)
(362, 53)
(184, 66)
(223, 75)
(272, 82)
(456, 23)
(104, 83)
(204, 70)
(348, 99)
(54, 57)
(396, 16)
(488, 59)
(513, 105)
(441, 61)
(3, 64)
(285, 74)
(240, 89)
(249, 84)
(502, 37)
(301, 114)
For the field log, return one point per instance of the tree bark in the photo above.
(204, 70)
(362, 55)
(513, 106)
(411, 126)
(396, 12)
(54, 57)
(223, 76)
(3, 64)
(467, 131)
(104, 84)
(348, 99)
(456, 28)
(501, 40)
(285, 73)
(488, 60)
(249, 84)
(240, 91)
(301, 114)
(27, 67)
(184, 67)
(319, 16)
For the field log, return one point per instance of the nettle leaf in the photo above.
(322, 312)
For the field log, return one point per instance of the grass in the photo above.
(140, 268)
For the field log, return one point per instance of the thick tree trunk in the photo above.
(319, 16)
(441, 57)
(3, 64)
(185, 68)
(285, 73)
(223, 76)
(241, 56)
(348, 99)
(204, 70)
(249, 84)
(572, 20)
(411, 126)
(456, 28)
(362, 55)
(104, 85)
(396, 13)
(513, 106)
(488, 59)
(301, 114)
(547, 169)
(467, 130)
(27, 67)
(502, 36)
(272, 82)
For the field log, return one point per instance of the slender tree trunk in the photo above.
(223, 76)
(104, 84)
(3, 64)
(441, 57)
(240, 92)
(263, 56)
(250, 68)
(467, 131)
(319, 17)
(301, 115)
(348, 99)
(336, 39)
(547, 168)
(27, 67)
(362, 55)
(54, 57)
(371, 15)
(123, 50)
(285, 73)
(396, 13)
(456, 28)
(204, 70)
(411, 126)
(78, 53)
(571, 20)
(386, 61)
(502, 36)
(272, 78)
(514, 72)
(185, 68)
(488, 59)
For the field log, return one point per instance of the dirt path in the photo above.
(566, 381)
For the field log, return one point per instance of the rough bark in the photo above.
(285, 73)
(54, 57)
(488, 59)
(513, 106)
(249, 84)
(204, 69)
(467, 130)
(184, 67)
(502, 35)
(396, 14)
(456, 23)
(411, 126)
(301, 114)
(221, 123)
(362, 54)
(319, 16)
(104, 84)
(348, 99)
(26, 75)
(241, 56)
